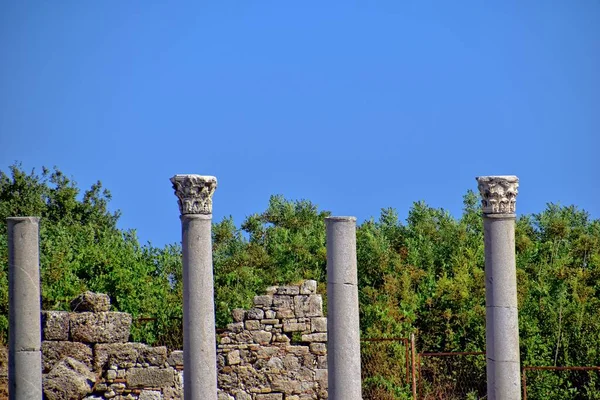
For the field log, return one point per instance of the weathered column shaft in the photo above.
(25, 338)
(199, 341)
(343, 329)
(502, 320)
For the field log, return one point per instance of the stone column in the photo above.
(25, 336)
(343, 330)
(499, 194)
(199, 342)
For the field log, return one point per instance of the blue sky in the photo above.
(353, 105)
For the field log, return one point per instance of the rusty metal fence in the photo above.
(385, 368)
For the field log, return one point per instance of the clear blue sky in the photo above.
(353, 105)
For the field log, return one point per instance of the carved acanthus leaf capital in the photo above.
(498, 194)
(194, 193)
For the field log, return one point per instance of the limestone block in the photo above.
(253, 325)
(55, 325)
(285, 384)
(318, 324)
(262, 337)
(308, 287)
(53, 352)
(155, 356)
(285, 313)
(241, 395)
(150, 395)
(269, 396)
(101, 327)
(223, 396)
(175, 358)
(282, 301)
(68, 380)
(255, 313)
(288, 290)
(123, 355)
(90, 301)
(318, 348)
(236, 327)
(269, 321)
(269, 314)
(233, 357)
(315, 337)
(308, 306)
(238, 314)
(289, 326)
(263, 301)
(150, 377)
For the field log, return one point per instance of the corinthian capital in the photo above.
(498, 194)
(194, 193)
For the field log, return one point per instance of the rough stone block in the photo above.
(238, 314)
(318, 348)
(269, 396)
(289, 326)
(315, 337)
(233, 357)
(263, 301)
(285, 313)
(150, 377)
(123, 355)
(236, 327)
(281, 301)
(255, 313)
(175, 358)
(318, 324)
(55, 325)
(150, 395)
(262, 337)
(90, 301)
(68, 380)
(253, 325)
(101, 327)
(308, 287)
(288, 290)
(53, 352)
(308, 305)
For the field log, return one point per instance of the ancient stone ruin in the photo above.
(85, 355)
(276, 350)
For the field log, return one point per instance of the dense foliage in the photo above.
(424, 276)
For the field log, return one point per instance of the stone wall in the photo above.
(85, 355)
(276, 350)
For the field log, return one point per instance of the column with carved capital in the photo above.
(499, 194)
(194, 193)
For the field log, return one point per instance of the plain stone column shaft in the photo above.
(343, 329)
(200, 373)
(502, 317)
(25, 338)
